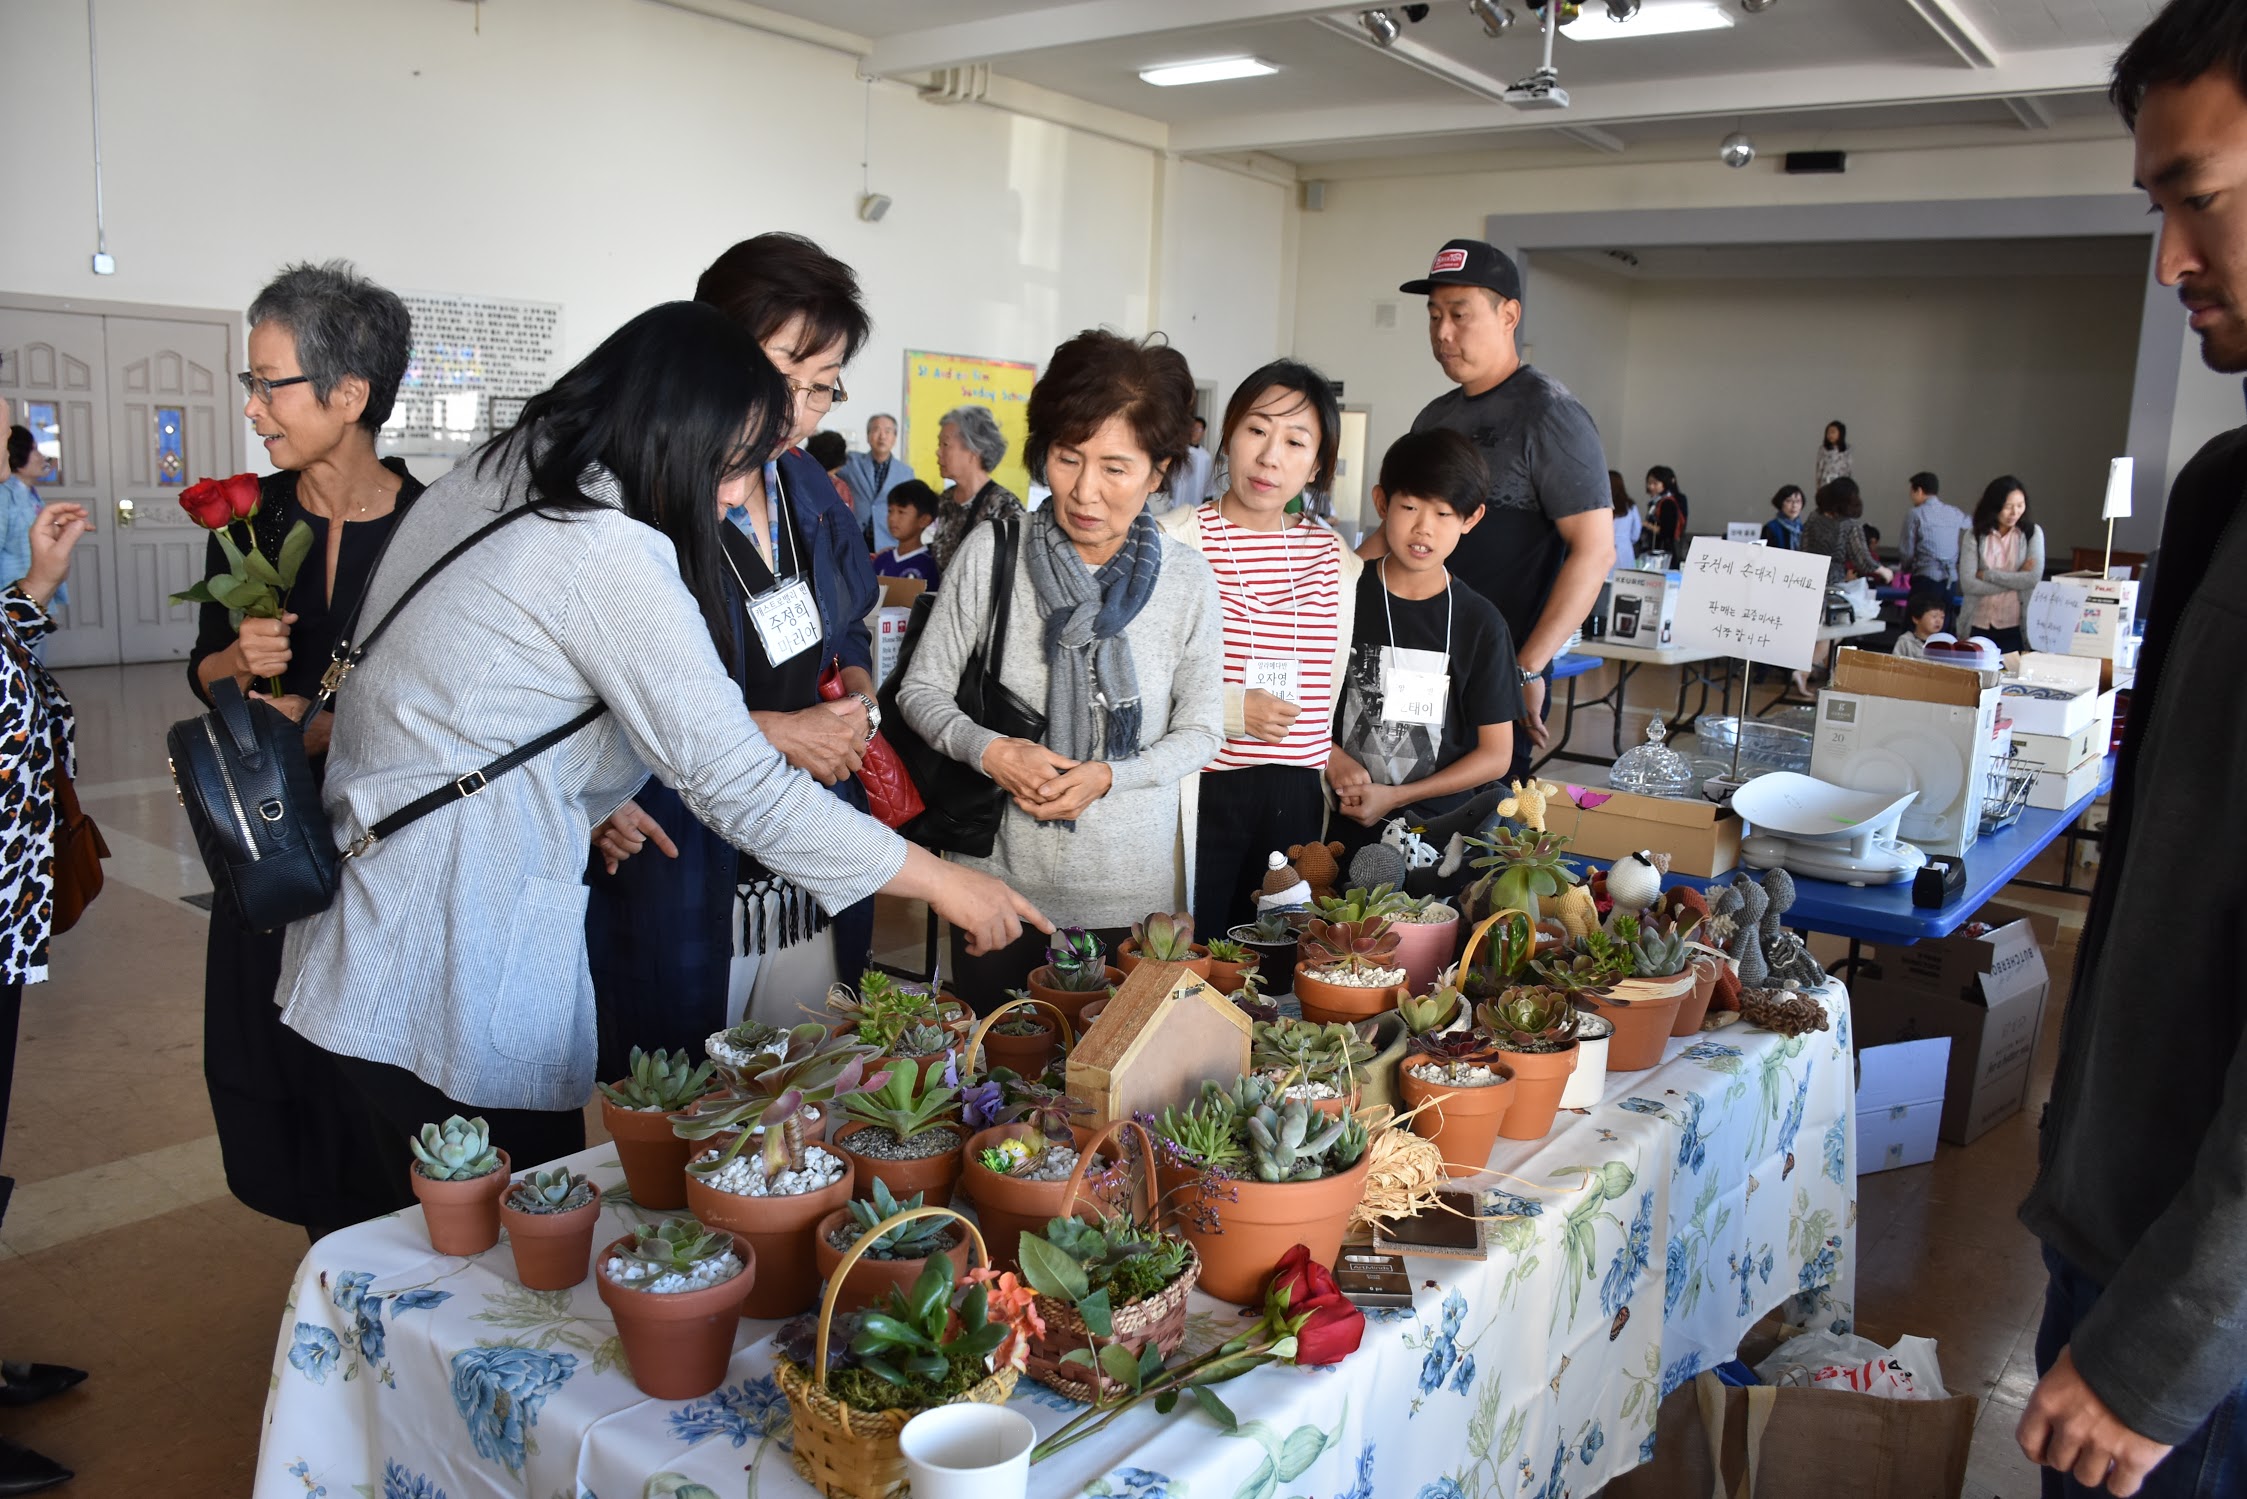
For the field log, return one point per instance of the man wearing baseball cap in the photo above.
(1545, 543)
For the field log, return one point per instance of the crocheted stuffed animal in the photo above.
(1736, 917)
(1527, 804)
(1318, 863)
(1786, 956)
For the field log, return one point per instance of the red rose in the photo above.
(1334, 1326)
(206, 504)
(242, 495)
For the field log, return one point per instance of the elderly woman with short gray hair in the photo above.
(969, 445)
(327, 350)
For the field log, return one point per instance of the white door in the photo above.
(1353, 502)
(131, 411)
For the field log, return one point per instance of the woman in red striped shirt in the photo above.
(1288, 587)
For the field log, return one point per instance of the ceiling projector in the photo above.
(1540, 90)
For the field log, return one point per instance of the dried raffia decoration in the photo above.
(1405, 1174)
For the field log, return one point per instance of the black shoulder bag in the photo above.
(964, 805)
(246, 782)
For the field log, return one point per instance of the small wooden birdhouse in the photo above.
(1159, 1039)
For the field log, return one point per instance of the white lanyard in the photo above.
(1279, 678)
(1411, 694)
(1392, 614)
(785, 616)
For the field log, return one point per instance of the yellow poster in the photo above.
(936, 383)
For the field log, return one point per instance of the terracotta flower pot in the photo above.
(552, 1250)
(1227, 978)
(654, 1158)
(1425, 949)
(1463, 1122)
(1092, 1013)
(1267, 1220)
(462, 1216)
(1642, 1012)
(1027, 1055)
(1328, 1004)
(679, 1345)
(1539, 1079)
(1070, 1002)
(931, 1176)
(1587, 1085)
(1335, 1108)
(1007, 1206)
(779, 1229)
(870, 1280)
(1694, 1008)
(1128, 958)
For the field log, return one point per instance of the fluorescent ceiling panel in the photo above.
(1653, 19)
(1209, 70)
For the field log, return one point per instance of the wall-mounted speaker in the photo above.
(1815, 163)
(1313, 197)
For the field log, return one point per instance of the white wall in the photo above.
(599, 153)
(1582, 336)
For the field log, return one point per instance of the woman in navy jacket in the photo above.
(691, 935)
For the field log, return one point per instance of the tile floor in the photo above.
(123, 1253)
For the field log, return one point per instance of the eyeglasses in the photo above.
(260, 388)
(821, 397)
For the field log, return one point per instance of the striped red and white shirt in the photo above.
(1282, 598)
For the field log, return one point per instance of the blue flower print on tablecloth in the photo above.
(1680, 1371)
(417, 1301)
(1646, 1448)
(1442, 1488)
(349, 1288)
(1677, 1273)
(1555, 1485)
(1454, 1315)
(369, 1330)
(1463, 1377)
(1436, 1365)
(314, 1352)
(1792, 1124)
(1821, 1268)
(302, 1472)
(398, 1482)
(1715, 1054)
(1692, 1145)
(1497, 1203)
(1631, 1258)
(1837, 1152)
(1135, 1483)
(1385, 1314)
(1363, 1488)
(498, 1392)
(1589, 1448)
(1033, 1393)
(1652, 1106)
(737, 1412)
(1747, 1272)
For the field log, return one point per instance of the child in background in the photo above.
(912, 510)
(1428, 710)
(1929, 613)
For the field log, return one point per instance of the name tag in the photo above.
(1275, 676)
(1410, 691)
(787, 620)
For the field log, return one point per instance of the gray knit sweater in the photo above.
(1125, 856)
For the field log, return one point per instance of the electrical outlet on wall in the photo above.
(1385, 316)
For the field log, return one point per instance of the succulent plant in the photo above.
(882, 1009)
(1278, 926)
(1468, 1045)
(1520, 867)
(1285, 1144)
(1531, 1018)
(910, 1099)
(916, 1240)
(923, 1038)
(674, 1246)
(660, 1080)
(1206, 1130)
(1361, 904)
(560, 1190)
(1656, 951)
(1249, 997)
(1225, 950)
(455, 1151)
(1575, 972)
(1164, 937)
(783, 1072)
(1047, 1109)
(1317, 1053)
(1077, 961)
(1352, 947)
(1427, 1013)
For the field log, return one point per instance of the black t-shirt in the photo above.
(1545, 464)
(1485, 685)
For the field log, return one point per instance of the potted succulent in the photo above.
(1249, 998)
(1249, 1175)
(1076, 972)
(894, 1258)
(854, 1379)
(1272, 937)
(1587, 1085)
(1648, 979)
(1427, 931)
(1018, 1166)
(1110, 1289)
(550, 1218)
(1164, 937)
(1533, 1030)
(1455, 1080)
(904, 1131)
(1229, 964)
(458, 1175)
(637, 1112)
(1521, 867)
(1320, 1064)
(1019, 1038)
(1347, 970)
(776, 1194)
(897, 1018)
(675, 1289)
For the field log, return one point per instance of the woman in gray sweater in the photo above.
(1116, 634)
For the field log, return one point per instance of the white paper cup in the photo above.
(968, 1451)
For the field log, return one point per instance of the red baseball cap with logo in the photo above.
(1470, 262)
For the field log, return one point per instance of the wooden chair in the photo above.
(2092, 559)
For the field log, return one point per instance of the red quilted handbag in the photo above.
(890, 793)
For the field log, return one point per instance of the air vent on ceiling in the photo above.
(1812, 163)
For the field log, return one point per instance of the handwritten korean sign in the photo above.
(1752, 603)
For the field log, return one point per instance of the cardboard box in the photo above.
(2057, 790)
(1986, 994)
(1702, 839)
(1893, 724)
(889, 634)
(2057, 695)
(2055, 617)
(2060, 752)
(1900, 1102)
(2109, 611)
(1642, 607)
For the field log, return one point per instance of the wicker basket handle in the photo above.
(1146, 1178)
(975, 1041)
(1482, 928)
(856, 1252)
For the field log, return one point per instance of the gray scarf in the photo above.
(1088, 660)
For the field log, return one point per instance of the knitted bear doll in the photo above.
(1320, 864)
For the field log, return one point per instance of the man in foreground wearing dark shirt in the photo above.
(1547, 538)
(2141, 1201)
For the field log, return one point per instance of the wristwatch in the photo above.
(873, 715)
(1528, 674)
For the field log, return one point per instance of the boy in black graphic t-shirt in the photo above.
(1426, 715)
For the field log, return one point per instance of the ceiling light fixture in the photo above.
(1757, 7)
(1621, 11)
(1496, 19)
(1209, 70)
(1650, 20)
(1379, 25)
(1736, 150)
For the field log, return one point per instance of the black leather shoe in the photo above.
(23, 1471)
(28, 1384)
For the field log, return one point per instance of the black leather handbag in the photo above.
(247, 784)
(964, 806)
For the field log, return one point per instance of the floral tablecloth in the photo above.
(1638, 1241)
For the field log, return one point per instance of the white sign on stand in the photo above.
(1752, 603)
(1746, 532)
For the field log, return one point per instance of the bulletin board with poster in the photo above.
(935, 383)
